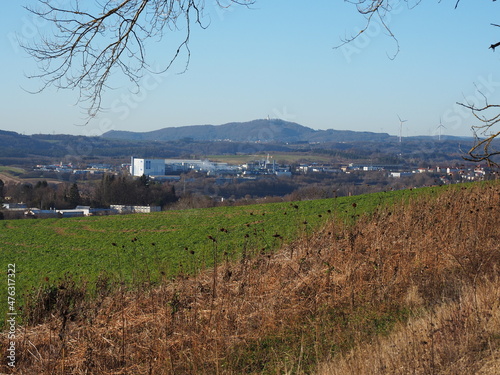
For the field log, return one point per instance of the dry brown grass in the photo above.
(411, 289)
(460, 337)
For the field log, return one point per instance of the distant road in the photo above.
(7, 178)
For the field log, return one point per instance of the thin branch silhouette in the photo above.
(90, 43)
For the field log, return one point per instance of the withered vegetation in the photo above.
(411, 289)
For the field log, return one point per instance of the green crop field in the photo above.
(140, 248)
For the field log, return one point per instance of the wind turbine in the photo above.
(441, 126)
(401, 128)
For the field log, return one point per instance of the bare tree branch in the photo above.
(372, 9)
(493, 46)
(93, 41)
(485, 138)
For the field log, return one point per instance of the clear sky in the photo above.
(277, 59)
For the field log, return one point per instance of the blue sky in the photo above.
(277, 59)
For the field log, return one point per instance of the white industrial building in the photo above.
(161, 167)
(148, 167)
(131, 209)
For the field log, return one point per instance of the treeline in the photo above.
(198, 191)
(127, 190)
(42, 195)
(109, 190)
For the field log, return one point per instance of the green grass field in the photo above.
(11, 170)
(146, 247)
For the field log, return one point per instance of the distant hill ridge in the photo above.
(262, 130)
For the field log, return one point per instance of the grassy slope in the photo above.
(146, 246)
(421, 278)
(11, 170)
(456, 337)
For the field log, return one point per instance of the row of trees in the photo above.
(127, 190)
(109, 190)
(40, 195)
(198, 191)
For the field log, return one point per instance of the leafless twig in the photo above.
(90, 41)
(484, 136)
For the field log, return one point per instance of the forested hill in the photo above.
(18, 145)
(272, 130)
(234, 138)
